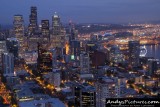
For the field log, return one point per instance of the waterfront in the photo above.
(153, 51)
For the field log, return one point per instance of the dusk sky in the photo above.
(83, 11)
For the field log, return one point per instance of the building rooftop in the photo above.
(51, 102)
(12, 39)
(66, 90)
(107, 80)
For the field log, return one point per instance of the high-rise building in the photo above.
(75, 48)
(152, 66)
(90, 48)
(72, 32)
(84, 63)
(94, 37)
(106, 88)
(98, 59)
(116, 55)
(33, 22)
(85, 96)
(13, 46)
(8, 64)
(3, 49)
(56, 25)
(32, 41)
(45, 30)
(88, 98)
(77, 94)
(19, 28)
(56, 78)
(58, 33)
(44, 60)
(134, 52)
(54, 58)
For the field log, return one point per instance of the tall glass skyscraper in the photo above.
(56, 24)
(8, 64)
(33, 23)
(18, 24)
(134, 52)
(2, 50)
(58, 33)
(13, 46)
(45, 29)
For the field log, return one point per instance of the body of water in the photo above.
(153, 51)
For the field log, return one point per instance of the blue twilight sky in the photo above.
(83, 11)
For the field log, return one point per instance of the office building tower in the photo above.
(32, 41)
(73, 33)
(56, 78)
(77, 94)
(98, 59)
(58, 33)
(88, 98)
(106, 88)
(90, 48)
(116, 55)
(44, 60)
(33, 22)
(85, 96)
(18, 24)
(94, 37)
(121, 83)
(134, 52)
(56, 25)
(54, 58)
(3, 49)
(75, 49)
(30, 57)
(84, 63)
(152, 66)
(45, 30)
(13, 46)
(8, 64)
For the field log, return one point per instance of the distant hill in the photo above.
(101, 27)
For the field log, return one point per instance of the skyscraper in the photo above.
(91, 47)
(8, 64)
(12, 46)
(88, 98)
(3, 49)
(72, 32)
(75, 48)
(84, 63)
(106, 88)
(54, 58)
(33, 22)
(44, 60)
(56, 78)
(58, 33)
(19, 28)
(116, 55)
(152, 66)
(56, 25)
(85, 96)
(134, 52)
(45, 30)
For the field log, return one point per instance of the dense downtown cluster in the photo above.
(50, 64)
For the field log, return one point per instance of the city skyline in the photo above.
(104, 11)
(84, 53)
